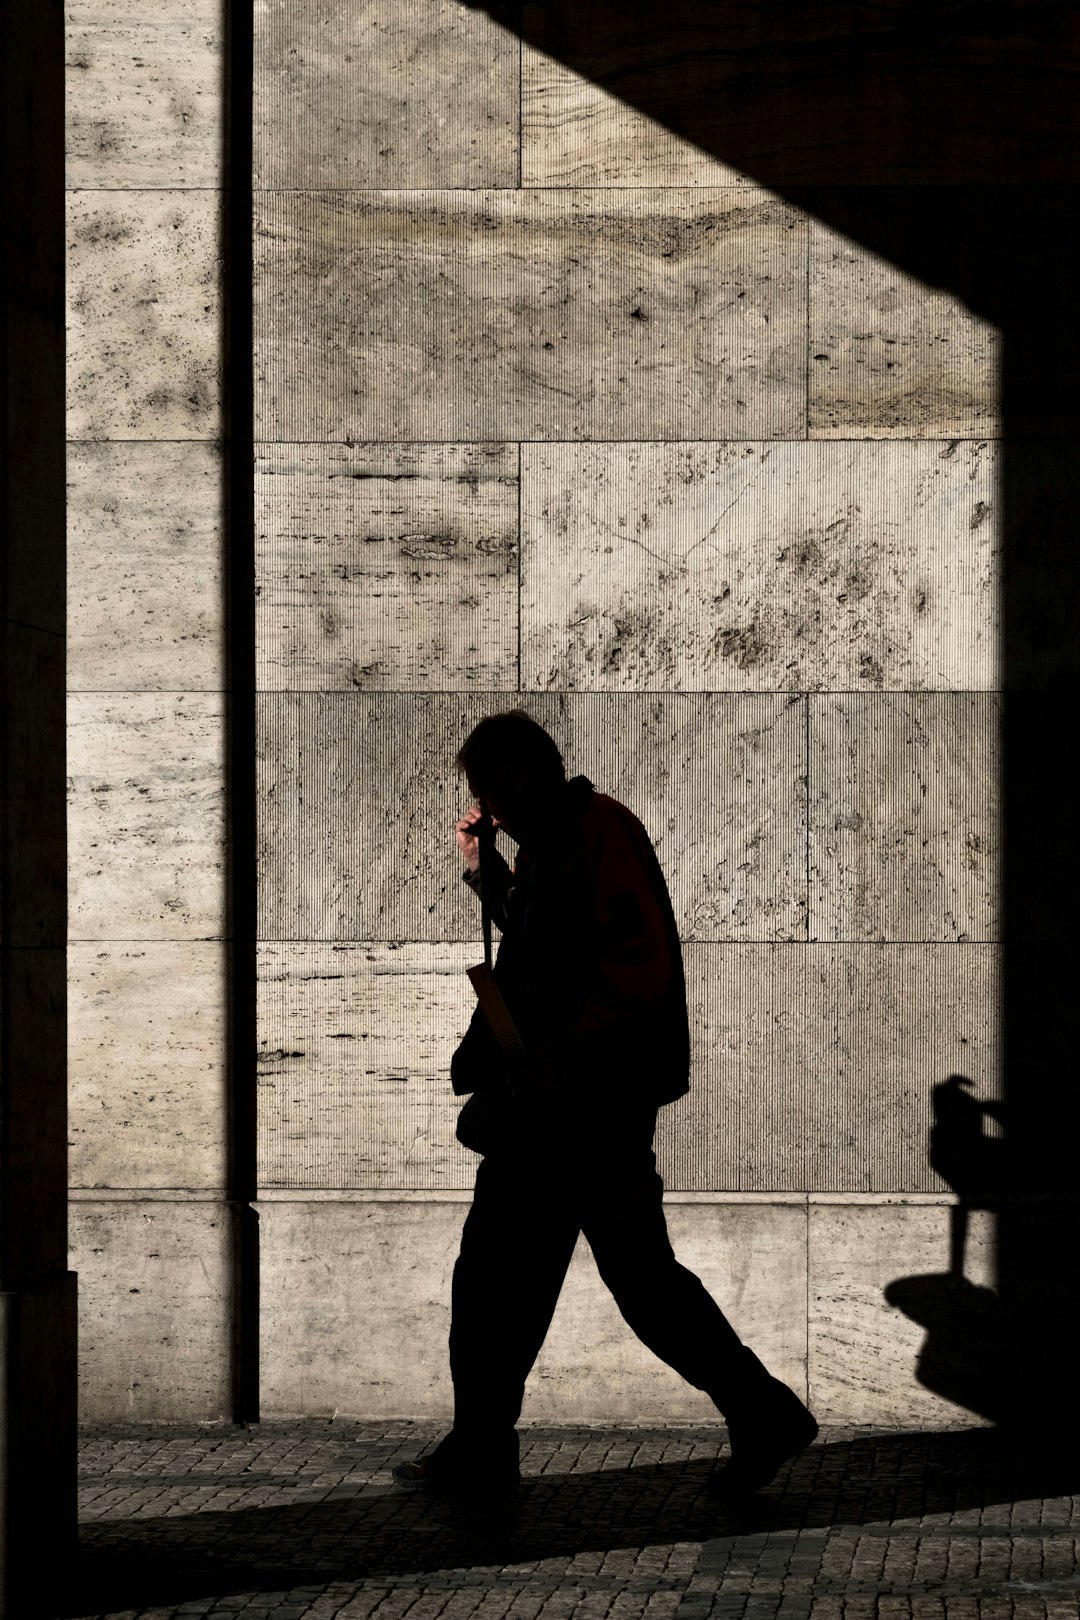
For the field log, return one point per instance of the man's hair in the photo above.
(504, 747)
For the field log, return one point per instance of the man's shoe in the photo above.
(763, 1439)
(412, 1476)
(493, 1486)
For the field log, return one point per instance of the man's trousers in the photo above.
(519, 1236)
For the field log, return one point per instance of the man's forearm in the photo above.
(496, 880)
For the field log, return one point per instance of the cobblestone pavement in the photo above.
(292, 1520)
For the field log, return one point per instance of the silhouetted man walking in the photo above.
(590, 966)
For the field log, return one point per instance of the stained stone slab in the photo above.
(144, 277)
(383, 95)
(758, 566)
(155, 1285)
(380, 566)
(762, 1045)
(355, 1304)
(529, 314)
(869, 1357)
(355, 1044)
(905, 816)
(906, 1020)
(145, 568)
(576, 132)
(813, 1067)
(147, 1061)
(359, 796)
(816, 1066)
(144, 105)
(891, 357)
(146, 823)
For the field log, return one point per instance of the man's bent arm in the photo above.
(498, 879)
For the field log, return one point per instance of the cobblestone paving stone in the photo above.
(299, 1521)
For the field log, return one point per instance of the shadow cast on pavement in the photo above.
(371, 1532)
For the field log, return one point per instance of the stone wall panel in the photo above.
(528, 314)
(347, 1284)
(359, 798)
(813, 1067)
(145, 558)
(146, 1064)
(145, 100)
(890, 356)
(154, 1306)
(386, 567)
(381, 95)
(144, 270)
(146, 821)
(872, 1361)
(798, 566)
(904, 816)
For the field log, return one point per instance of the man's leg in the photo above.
(515, 1249)
(677, 1318)
(668, 1308)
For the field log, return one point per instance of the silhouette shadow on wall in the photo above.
(963, 1357)
(942, 136)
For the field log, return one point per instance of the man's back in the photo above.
(590, 961)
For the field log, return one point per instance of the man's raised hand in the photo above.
(468, 843)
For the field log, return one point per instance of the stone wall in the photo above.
(554, 409)
(147, 709)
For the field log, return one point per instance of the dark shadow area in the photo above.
(942, 136)
(963, 1356)
(241, 740)
(375, 1533)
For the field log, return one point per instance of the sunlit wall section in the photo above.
(556, 411)
(146, 823)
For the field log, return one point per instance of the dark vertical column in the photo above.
(239, 496)
(37, 1292)
(1039, 1235)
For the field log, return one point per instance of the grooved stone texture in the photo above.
(144, 269)
(154, 1289)
(338, 1305)
(758, 566)
(577, 132)
(145, 561)
(557, 409)
(147, 964)
(146, 823)
(891, 358)
(355, 1044)
(384, 566)
(145, 93)
(872, 1361)
(812, 1067)
(146, 1055)
(359, 797)
(380, 94)
(904, 815)
(517, 314)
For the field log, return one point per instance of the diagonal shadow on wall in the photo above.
(942, 136)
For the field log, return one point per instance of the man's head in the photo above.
(513, 767)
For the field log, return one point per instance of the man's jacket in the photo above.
(590, 962)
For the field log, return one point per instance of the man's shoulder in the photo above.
(605, 814)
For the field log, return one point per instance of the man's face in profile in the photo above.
(508, 803)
